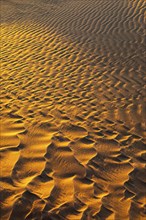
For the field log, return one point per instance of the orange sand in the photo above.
(73, 112)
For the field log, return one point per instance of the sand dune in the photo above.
(73, 110)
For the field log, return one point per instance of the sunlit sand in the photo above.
(73, 110)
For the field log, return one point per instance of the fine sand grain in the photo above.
(73, 110)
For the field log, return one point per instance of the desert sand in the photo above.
(73, 110)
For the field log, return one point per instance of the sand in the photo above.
(73, 110)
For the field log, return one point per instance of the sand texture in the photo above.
(73, 110)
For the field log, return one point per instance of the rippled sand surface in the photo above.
(73, 110)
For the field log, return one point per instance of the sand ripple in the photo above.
(72, 101)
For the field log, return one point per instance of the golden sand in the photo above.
(73, 110)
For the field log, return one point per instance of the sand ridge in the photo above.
(73, 110)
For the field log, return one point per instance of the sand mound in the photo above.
(73, 113)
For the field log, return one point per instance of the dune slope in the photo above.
(73, 110)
